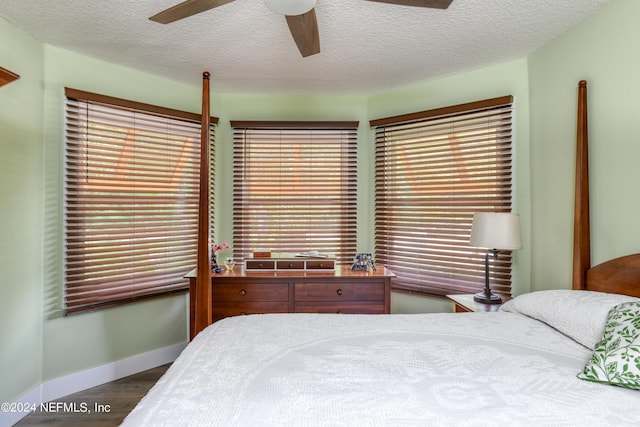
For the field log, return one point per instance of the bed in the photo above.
(558, 357)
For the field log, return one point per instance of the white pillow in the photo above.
(580, 315)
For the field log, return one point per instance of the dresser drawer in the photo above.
(290, 265)
(346, 307)
(228, 309)
(250, 292)
(260, 265)
(337, 291)
(325, 264)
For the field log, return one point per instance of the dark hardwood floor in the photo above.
(101, 406)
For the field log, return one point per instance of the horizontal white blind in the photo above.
(294, 188)
(432, 174)
(131, 203)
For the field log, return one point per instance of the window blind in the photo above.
(434, 169)
(131, 200)
(294, 187)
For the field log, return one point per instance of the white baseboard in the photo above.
(9, 418)
(73, 383)
(78, 381)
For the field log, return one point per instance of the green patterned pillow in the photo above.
(616, 358)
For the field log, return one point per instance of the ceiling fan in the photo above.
(300, 15)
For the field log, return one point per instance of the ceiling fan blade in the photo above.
(434, 4)
(304, 29)
(185, 9)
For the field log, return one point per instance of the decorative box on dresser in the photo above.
(335, 290)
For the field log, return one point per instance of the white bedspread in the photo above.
(383, 370)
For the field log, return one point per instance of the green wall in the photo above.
(604, 51)
(21, 196)
(505, 79)
(84, 341)
(39, 344)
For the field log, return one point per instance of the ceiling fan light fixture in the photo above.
(290, 7)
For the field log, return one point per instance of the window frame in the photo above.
(285, 132)
(113, 170)
(441, 262)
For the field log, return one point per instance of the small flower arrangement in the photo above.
(214, 258)
(219, 246)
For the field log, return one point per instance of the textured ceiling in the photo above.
(366, 47)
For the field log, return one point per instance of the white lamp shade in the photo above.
(496, 230)
(290, 7)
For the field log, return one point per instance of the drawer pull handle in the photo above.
(260, 265)
(339, 292)
(290, 265)
(321, 265)
(243, 292)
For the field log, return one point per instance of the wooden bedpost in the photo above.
(202, 316)
(581, 230)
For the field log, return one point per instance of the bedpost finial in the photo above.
(582, 83)
(206, 75)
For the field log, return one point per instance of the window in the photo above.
(131, 200)
(434, 169)
(294, 188)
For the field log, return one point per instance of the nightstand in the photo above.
(464, 303)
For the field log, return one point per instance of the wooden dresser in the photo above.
(341, 290)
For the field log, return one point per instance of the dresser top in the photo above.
(340, 271)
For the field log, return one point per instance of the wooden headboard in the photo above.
(619, 275)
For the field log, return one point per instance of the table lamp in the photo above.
(494, 231)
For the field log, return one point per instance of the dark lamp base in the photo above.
(487, 299)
